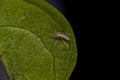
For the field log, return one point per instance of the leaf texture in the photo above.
(27, 47)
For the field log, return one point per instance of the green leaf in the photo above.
(27, 48)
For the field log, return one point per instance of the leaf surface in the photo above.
(27, 47)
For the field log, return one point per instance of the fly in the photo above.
(60, 35)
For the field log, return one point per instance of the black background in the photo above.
(88, 21)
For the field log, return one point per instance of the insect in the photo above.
(60, 35)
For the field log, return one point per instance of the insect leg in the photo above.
(56, 42)
(65, 44)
